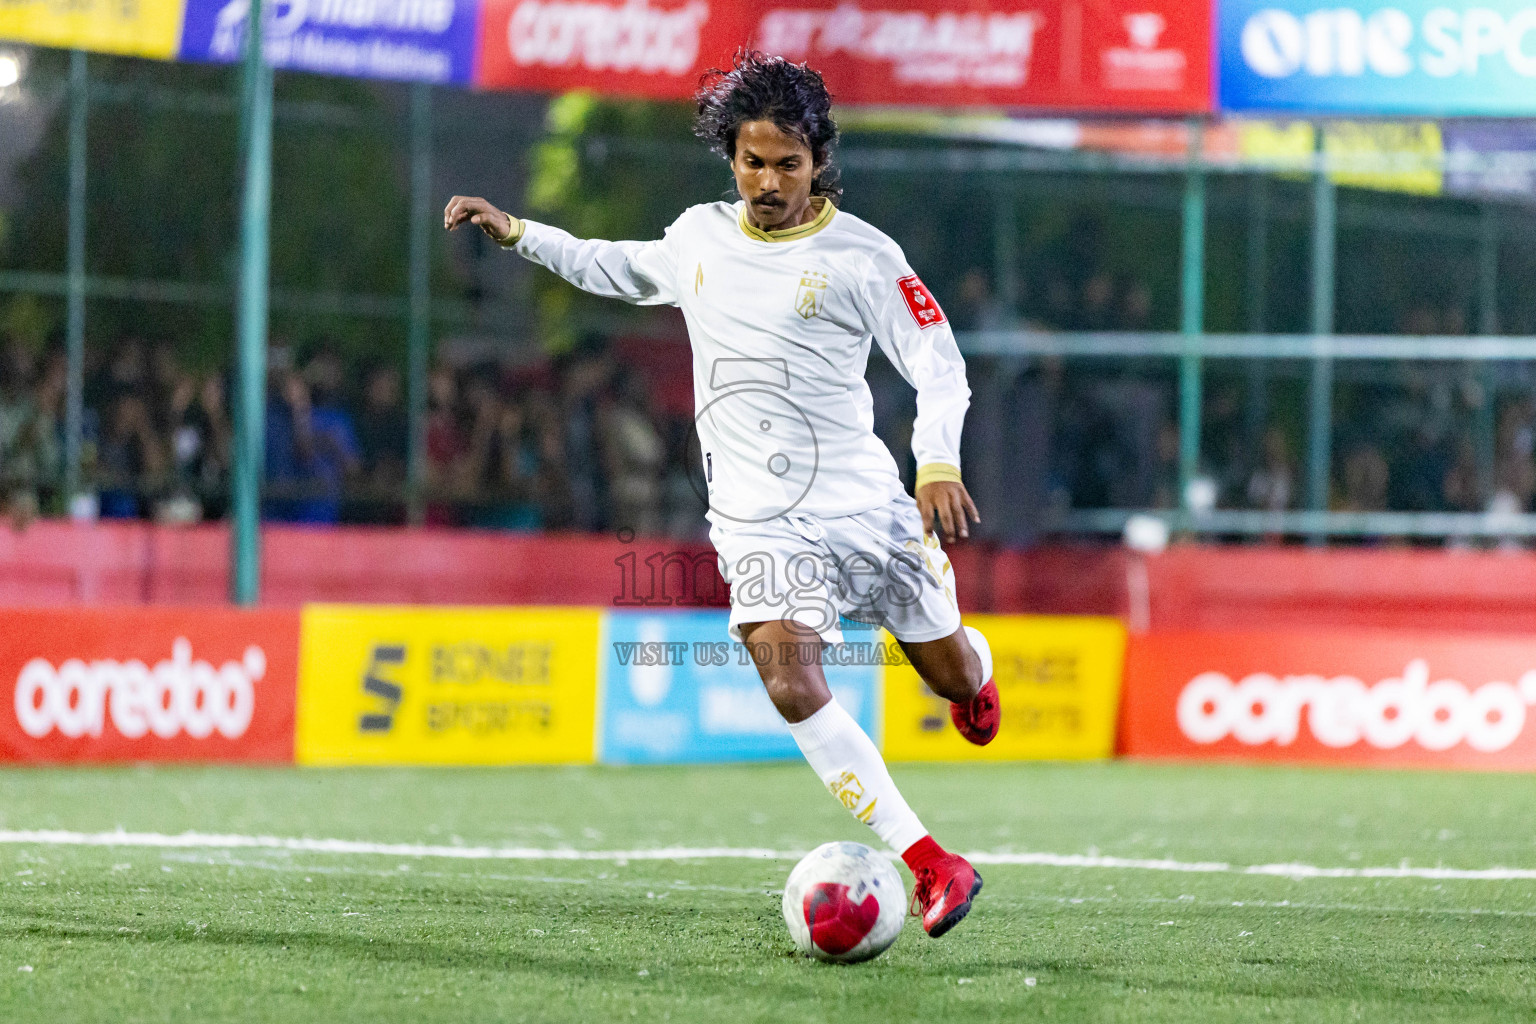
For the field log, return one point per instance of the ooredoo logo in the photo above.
(177, 695)
(632, 36)
(1343, 711)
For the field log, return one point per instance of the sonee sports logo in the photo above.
(78, 698)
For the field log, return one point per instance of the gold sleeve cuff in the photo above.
(514, 234)
(934, 472)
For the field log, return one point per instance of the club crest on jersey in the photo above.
(812, 293)
(920, 301)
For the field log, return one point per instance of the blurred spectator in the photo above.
(584, 376)
(1165, 493)
(1419, 481)
(29, 449)
(1060, 312)
(632, 455)
(383, 429)
(131, 458)
(1514, 472)
(1272, 485)
(1098, 312)
(1461, 488)
(978, 309)
(1136, 307)
(446, 444)
(1366, 479)
(199, 434)
(311, 448)
(496, 471)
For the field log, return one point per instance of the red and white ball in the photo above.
(844, 903)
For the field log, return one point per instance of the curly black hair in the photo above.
(758, 87)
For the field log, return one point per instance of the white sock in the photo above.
(847, 761)
(983, 651)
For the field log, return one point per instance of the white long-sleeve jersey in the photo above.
(780, 324)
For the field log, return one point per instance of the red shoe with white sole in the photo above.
(943, 893)
(978, 720)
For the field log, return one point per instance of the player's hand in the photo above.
(951, 503)
(480, 213)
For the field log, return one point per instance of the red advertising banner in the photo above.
(1151, 56)
(1359, 697)
(147, 684)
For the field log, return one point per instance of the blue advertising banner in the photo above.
(1421, 57)
(676, 689)
(407, 40)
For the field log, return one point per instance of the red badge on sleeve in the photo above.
(920, 302)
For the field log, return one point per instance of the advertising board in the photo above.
(147, 684)
(676, 689)
(1400, 57)
(407, 40)
(397, 685)
(1151, 55)
(145, 28)
(1359, 697)
(1058, 678)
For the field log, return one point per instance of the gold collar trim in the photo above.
(823, 217)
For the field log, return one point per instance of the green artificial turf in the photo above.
(143, 934)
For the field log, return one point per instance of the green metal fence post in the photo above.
(74, 335)
(251, 378)
(421, 296)
(1192, 310)
(1258, 310)
(1483, 426)
(1320, 396)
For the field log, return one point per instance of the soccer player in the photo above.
(783, 294)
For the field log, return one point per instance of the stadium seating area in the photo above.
(598, 439)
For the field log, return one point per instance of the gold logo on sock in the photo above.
(848, 790)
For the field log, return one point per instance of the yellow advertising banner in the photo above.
(382, 685)
(1058, 678)
(139, 28)
(1395, 156)
(1392, 156)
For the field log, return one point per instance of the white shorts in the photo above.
(876, 567)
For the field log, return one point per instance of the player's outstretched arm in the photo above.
(501, 227)
(639, 272)
(905, 320)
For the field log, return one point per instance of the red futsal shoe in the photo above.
(943, 893)
(978, 720)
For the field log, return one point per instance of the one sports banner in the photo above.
(141, 28)
(677, 689)
(407, 40)
(1058, 678)
(1123, 55)
(1415, 57)
(1357, 697)
(396, 685)
(147, 684)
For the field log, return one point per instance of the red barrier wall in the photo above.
(1187, 587)
(134, 563)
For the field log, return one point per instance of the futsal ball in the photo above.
(844, 903)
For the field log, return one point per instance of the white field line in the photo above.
(215, 841)
(992, 900)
